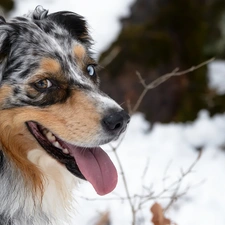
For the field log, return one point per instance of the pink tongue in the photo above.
(97, 168)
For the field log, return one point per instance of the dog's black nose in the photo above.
(116, 122)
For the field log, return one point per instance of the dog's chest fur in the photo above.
(19, 207)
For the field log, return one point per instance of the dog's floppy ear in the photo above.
(73, 23)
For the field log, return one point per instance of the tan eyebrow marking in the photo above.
(80, 52)
(50, 65)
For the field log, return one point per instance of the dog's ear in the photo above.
(75, 24)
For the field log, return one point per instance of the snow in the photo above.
(216, 76)
(154, 159)
(166, 150)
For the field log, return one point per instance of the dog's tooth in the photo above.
(56, 144)
(50, 136)
(45, 131)
(65, 150)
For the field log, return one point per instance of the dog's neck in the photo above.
(19, 205)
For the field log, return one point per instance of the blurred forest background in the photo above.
(157, 37)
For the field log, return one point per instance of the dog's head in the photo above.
(50, 100)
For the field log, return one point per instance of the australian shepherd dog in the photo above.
(53, 117)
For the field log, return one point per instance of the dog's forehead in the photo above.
(35, 41)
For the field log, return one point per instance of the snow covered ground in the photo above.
(167, 150)
(154, 159)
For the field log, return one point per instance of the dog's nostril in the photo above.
(118, 125)
(113, 122)
(116, 121)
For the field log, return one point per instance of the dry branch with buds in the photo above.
(148, 87)
(162, 79)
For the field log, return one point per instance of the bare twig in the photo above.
(125, 185)
(147, 87)
(112, 55)
(175, 184)
(162, 79)
(143, 199)
(174, 197)
(146, 168)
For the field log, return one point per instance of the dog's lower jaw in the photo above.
(19, 203)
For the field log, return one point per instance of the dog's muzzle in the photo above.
(116, 122)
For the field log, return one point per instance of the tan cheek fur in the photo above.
(5, 91)
(76, 120)
(79, 117)
(16, 141)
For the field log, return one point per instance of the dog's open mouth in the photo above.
(92, 164)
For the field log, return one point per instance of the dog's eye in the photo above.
(43, 84)
(91, 70)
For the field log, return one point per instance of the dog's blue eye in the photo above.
(91, 70)
(43, 84)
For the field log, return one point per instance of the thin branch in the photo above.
(146, 168)
(175, 184)
(125, 186)
(147, 87)
(162, 79)
(112, 55)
